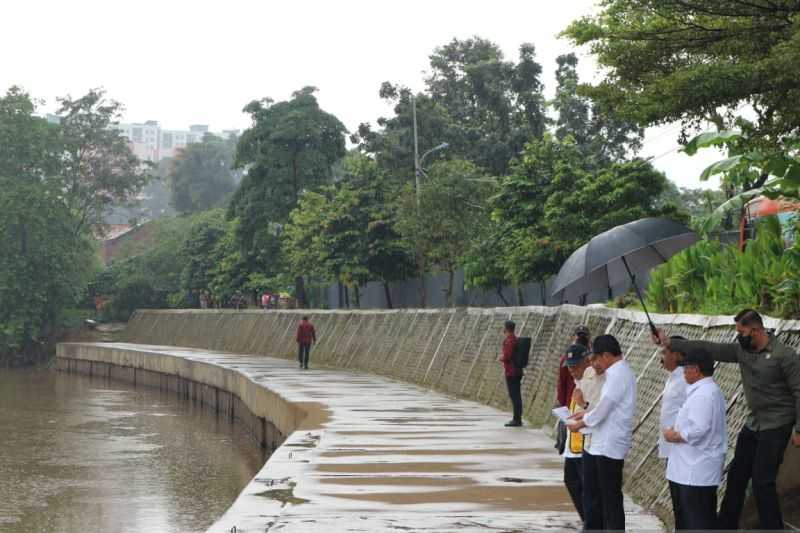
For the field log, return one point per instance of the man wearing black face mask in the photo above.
(771, 382)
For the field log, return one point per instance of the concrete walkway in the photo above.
(378, 455)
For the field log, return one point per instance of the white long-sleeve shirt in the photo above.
(610, 423)
(671, 402)
(698, 462)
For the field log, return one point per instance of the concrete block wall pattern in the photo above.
(454, 351)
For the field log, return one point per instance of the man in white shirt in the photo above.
(700, 442)
(671, 402)
(610, 428)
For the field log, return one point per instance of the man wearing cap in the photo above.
(671, 402)
(577, 361)
(610, 427)
(771, 383)
(566, 384)
(699, 443)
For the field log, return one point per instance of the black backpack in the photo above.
(522, 352)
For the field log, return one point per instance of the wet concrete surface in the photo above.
(389, 456)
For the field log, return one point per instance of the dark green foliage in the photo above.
(697, 60)
(483, 105)
(290, 148)
(201, 175)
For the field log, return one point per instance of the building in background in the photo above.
(152, 143)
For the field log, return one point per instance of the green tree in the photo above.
(448, 216)
(44, 264)
(290, 148)
(697, 60)
(201, 176)
(97, 169)
(483, 105)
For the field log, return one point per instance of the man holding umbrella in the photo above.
(771, 382)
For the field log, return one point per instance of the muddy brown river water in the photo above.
(81, 454)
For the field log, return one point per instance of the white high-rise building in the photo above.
(151, 143)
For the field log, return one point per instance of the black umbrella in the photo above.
(616, 255)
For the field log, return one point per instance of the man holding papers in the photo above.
(610, 427)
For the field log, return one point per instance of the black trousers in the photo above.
(602, 493)
(303, 351)
(695, 505)
(573, 480)
(758, 457)
(677, 511)
(514, 384)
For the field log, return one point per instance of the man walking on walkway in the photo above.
(771, 382)
(671, 402)
(698, 442)
(305, 336)
(610, 427)
(512, 373)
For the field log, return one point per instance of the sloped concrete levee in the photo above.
(361, 453)
(454, 352)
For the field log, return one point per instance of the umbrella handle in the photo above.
(653, 328)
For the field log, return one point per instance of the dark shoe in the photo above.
(305, 368)
(513, 424)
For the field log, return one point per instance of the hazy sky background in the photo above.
(194, 62)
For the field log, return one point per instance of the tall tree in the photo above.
(697, 60)
(290, 147)
(447, 218)
(44, 265)
(484, 106)
(201, 175)
(98, 169)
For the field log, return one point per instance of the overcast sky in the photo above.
(187, 62)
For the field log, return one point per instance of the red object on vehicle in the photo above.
(760, 207)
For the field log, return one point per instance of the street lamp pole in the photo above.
(417, 167)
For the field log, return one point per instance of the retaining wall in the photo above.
(221, 391)
(455, 351)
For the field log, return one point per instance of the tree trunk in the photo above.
(520, 300)
(450, 275)
(499, 290)
(300, 292)
(341, 294)
(543, 292)
(388, 293)
(346, 297)
(357, 294)
(423, 293)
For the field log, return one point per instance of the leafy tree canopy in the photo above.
(697, 60)
(201, 175)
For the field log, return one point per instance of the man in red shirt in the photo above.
(513, 374)
(305, 336)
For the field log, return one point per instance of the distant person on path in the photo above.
(306, 335)
(610, 430)
(265, 301)
(699, 442)
(771, 382)
(675, 390)
(577, 362)
(512, 373)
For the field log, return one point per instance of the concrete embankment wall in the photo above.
(455, 351)
(264, 415)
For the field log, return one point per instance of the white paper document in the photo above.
(562, 413)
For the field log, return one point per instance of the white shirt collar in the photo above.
(697, 384)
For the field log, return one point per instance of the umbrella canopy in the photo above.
(616, 255)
